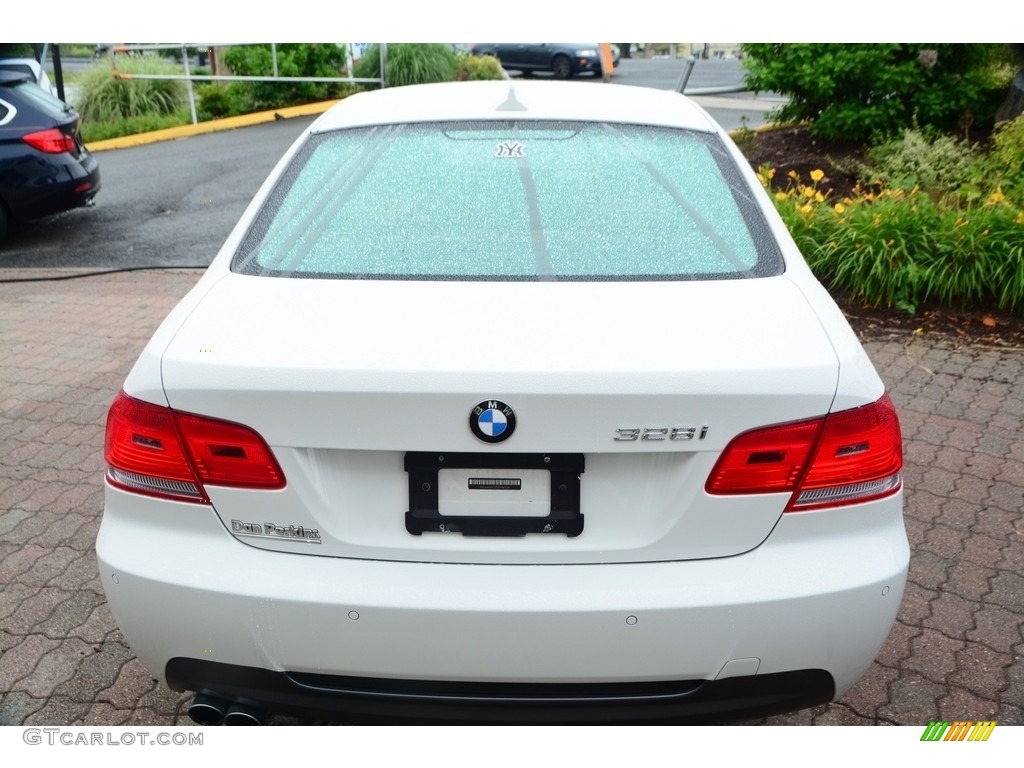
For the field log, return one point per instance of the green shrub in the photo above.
(1000, 172)
(104, 97)
(212, 102)
(479, 68)
(410, 63)
(937, 165)
(864, 91)
(293, 60)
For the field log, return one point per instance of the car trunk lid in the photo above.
(364, 389)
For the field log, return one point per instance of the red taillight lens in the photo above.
(229, 454)
(859, 457)
(843, 458)
(52, 141)
(156, 451)
(767, 460)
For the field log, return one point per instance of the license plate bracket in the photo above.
(424, 513)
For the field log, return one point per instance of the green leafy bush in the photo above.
(293, 60)
(479, 68)
(861, 91)
(1000, 172)
(410, 63)
(937, 165)
(215, 100)
(103, 97)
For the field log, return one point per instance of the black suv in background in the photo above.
(44, 167)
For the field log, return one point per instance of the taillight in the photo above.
(52, 141)
(843, 458)
(153, 450)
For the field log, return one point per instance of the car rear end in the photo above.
(44, 165)
(450, 454)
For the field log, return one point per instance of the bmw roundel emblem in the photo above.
(492, 421)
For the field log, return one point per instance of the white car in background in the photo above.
(506, 402)
(33, 69)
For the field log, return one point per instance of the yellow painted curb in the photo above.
(210, 126)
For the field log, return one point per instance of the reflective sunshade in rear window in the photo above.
(511, 201)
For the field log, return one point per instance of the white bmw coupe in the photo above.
(506, 402)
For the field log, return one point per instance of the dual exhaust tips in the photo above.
(208, 709)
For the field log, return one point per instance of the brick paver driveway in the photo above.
(956, 652)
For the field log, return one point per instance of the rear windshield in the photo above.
(511, 201)
(46, 103)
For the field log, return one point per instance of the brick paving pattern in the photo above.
(955, 653)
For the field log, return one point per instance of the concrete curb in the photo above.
(211, 126)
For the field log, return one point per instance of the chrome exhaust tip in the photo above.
(207, 709)
(244, 714)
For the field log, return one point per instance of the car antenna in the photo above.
(511, 104)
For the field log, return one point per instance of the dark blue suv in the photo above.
(44, 167)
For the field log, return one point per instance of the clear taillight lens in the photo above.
(153, 450)
(843, 458)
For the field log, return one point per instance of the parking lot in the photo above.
(956, 651)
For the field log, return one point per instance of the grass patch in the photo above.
(129, 126)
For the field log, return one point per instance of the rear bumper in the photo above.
(791, 623)
(72, 183)
(316, 695)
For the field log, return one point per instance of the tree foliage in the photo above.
(865, 91)
(293, 60)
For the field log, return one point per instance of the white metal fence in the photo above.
(189, 77)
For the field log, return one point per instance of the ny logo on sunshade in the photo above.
(511, 149)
